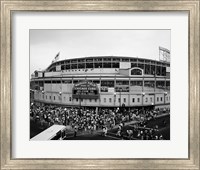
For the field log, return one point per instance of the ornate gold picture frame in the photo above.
(8, 7)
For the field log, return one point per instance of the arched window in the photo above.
(136, 71)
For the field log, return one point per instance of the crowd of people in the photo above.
(140, 131)
(90, 120)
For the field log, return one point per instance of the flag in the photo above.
(57, 57)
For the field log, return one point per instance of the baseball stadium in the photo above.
(106, 81)
(101, 98)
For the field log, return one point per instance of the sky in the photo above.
(46, 44)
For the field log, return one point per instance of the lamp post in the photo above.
(65, 111)
(143, 94)
(120, 93)
(79, 96)
(43, 94)
(60, 95)
(165, 93)
(114, 98)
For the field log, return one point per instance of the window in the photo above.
(95, 100)
(133, 60)
(151, 99)
(110, 100)
(67, 61)
(41, 83)
(141, 66)
(96, 81)
(81, 65)
(107, 83)
(54, 98)
(141, 60)
(168, 85)
(56, 81)
(47, 82)
(157, 99)
(77, 100)
(75, 81)
(97, 59)
(122, 89)
(138, 100)
(63, 67)
(73, 61)
(50, 97)
(116, 59)
(158, 70)
(136, 71)
(107, 59)
(66, 81)
(136, 83)
(98, 65)
(152, 69)
(119, 100)
(89, 60)
(125, 59)
(160, 84)
(67, 67)
(70, 99)
(46, 96)
(90, 100)
(147, 69)
(104, 100)
(119, 82)
(133, 100)
(133, 65)
(124, 100)
(106, 65)
(163, 71)
(149, 84)
(146, 99)
(115, 65)
(89, 65)
(161, 99)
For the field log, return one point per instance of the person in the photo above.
(160, 137)
(119, 130)
(130, 133)
(75, 130)
(105, 130)
(164, 123)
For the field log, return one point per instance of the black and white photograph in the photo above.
(95, 84)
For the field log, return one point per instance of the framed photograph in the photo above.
(100, 84)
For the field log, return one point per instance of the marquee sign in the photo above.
(85, 90)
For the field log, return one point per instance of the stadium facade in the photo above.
(103, 81)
